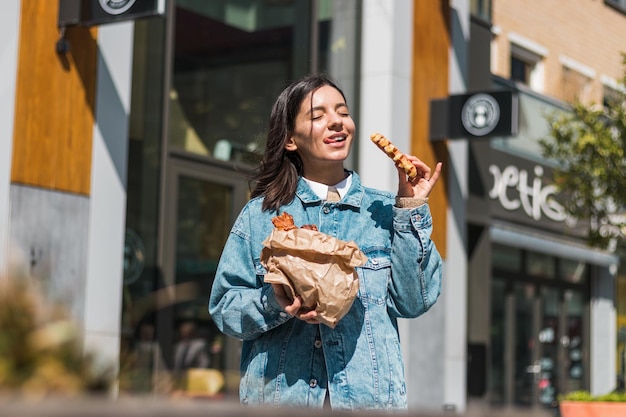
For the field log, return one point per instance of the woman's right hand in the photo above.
(294, 307)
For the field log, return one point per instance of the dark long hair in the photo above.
(277, 176)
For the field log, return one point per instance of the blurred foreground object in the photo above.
(40, 346)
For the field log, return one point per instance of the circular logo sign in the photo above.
(116, 7)
(480, 114)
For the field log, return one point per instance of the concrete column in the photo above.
(385, 86)
(9, 37)
(455, 277)
(603, 337)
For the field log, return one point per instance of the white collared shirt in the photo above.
(322, 189)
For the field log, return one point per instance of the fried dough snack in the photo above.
(394, 153)
(285, 222)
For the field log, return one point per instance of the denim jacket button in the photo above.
(318, 344)
(313, 383)
(326, 210)
(283, 314)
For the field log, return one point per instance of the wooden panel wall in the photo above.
(431, 43)
(55, 96)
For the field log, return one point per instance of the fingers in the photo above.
(308, 316)
(423, 170)
(423, 183)
(433, 179)
(295, 307)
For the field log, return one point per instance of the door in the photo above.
(538, 338)
(204, 200)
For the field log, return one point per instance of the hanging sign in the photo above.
(98, 12)
(477, 115)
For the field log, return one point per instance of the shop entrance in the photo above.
(539, 341)
(205, 199)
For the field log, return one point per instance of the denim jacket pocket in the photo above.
(374, 276)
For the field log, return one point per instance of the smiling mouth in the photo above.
(335, 139)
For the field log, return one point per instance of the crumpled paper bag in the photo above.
(317, 267)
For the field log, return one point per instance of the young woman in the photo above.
(288, 358)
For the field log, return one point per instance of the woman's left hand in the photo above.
(422, 184)
(294, 307)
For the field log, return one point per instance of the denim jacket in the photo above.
(285, 361)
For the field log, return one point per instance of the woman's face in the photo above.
(323, 130)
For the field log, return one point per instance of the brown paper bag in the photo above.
(317, 267)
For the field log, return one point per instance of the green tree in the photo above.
(588, 145)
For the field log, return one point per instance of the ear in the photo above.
(291, 144)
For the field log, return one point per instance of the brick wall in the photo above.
(586, 32)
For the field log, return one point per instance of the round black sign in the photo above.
(116, 7)
(480, 114)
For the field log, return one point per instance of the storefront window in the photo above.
(204, 80)
(572, 270)
(540, 265)
(575, 372)
(231, 60)
(498, 339)
(141, 349)
(507, 258)
(538, 338)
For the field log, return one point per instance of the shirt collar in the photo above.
(321, 190)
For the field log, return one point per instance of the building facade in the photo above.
(130, 142)
(550, 326)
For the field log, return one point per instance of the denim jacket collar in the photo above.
(353, 198)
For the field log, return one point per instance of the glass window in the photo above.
(520, 70)
(611, 96)
(232, 59)
(574, 341)
(572, 271)
(497, 344)
(540, 265)
(549, 340)
(527, 64)
(507, 258)
(481, 9)
(524, 337)
(533, 125)
(141, 339)
(229, 61)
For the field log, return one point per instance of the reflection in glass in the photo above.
(141, 350)
(203, 224)
(525, 368)
(231, 60)
(575, 357)
(507, 257)
(572, 270)
(498, 336)
(533, 125)
(540, 265)
(548, 383)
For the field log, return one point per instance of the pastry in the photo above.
(394, 153)
(285, 222)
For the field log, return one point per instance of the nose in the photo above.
(335, 122)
